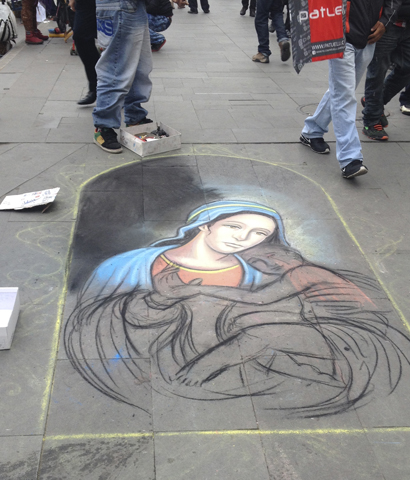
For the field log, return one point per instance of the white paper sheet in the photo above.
(29, 200)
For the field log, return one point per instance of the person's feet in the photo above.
(375, 132)
(284, 50)
(243, 11)
(318, 145)
(354, 169)
(192, 11)
(156, 47)
(32, 39)
(39, 35)
(106, 138)
(144, 121)
(251, 12)
(383, 119)
(405, 109)
(260, 57)
(88, 99)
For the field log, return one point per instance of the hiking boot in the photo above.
(32, 39)
(376, 132)
(405, 109)
(318, 145)
(141, 122)
(383, 119)
(156, 47)
(260, 57)
(39, 35)
(106, 138)
(251, 12)
(284, 50)
(243, 11)
(354, 169)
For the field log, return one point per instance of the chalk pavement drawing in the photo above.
(226, 308)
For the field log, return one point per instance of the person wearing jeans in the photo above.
(122, 70)
(275, 8)
(366, 23)
(393, 47)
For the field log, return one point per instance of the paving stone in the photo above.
(20, 457)
(94, 459)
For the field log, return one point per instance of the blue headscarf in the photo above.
(133, 269)
(211, 211)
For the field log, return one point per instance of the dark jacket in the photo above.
(159, 7)
(404, 11)
(362, 15)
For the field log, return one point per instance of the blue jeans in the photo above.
(394, 46)
(157, 23)
(125, 64)
(263, 8)
(339, 104)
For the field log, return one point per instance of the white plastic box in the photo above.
(143, 149)
(9, 312)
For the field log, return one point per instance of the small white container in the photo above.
(9, 312)
(143, 149)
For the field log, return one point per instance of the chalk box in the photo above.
(143, 149)
(9, 312)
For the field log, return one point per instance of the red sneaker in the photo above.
(32, 39)
(39, 35)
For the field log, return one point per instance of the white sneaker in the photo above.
(405, 109)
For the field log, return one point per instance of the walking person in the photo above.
(246, 4)
(275, 9)
(367, 22)
(193, 6)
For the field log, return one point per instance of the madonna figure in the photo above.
(226, 309)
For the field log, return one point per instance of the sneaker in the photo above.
(39, 35)
(318, 145)
(284, 50)
(375, 132)
(141, 122)
(405, 109)
(383, 119)
(106, 138)
(243, 11)
(156, 47)
(31, 39)
(354, 169)
(260, 57)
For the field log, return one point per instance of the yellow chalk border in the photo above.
(61, 302)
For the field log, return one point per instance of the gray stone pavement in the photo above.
(240, 124)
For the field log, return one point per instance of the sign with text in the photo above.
(317, 29)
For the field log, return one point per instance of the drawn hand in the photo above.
(168, 284)
(378, 31)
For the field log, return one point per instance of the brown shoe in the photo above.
(261, 58)
(39, 35)
(32, 39)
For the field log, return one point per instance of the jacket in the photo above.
(404, 11)
(159, 7)
(362, 15)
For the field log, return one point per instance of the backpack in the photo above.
(8, 25)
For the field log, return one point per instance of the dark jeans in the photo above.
(245, 4)
(193, 5)
(393, 47)
(263, 8)
(405, 96)
(85, 33)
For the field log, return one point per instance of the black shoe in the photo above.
(284, 50)
(318, 145)
(354, 169)
(106, 138)
(375, 132)
(251, 12)
(192, 11)
(141, 122)
(207, 11)
(90, 98)
(243, 11)
(383, 119)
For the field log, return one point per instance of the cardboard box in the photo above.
(9, 312)
(143, 149)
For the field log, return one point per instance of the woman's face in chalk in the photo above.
(237, 233)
